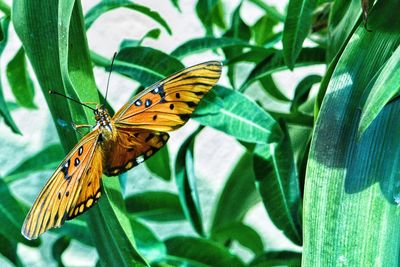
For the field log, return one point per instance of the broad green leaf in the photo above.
(147, 243)
(343, 19)
(46, 159)
(202, 251)
(278, 184)
(159, 164)
(275, 63)
(46, 31)
(302, 90)
(384, 88)
(356, 201)
(12, 215)
(278, 258)
(155, 206)
(207, 43)
(4, 111)
(169, 260)
(58, 248)
(296, 29)
(242, 233)
(296, 118)
(107, 5)
(240, 185)
(185, 179)
(239, 117)
(210, 12)
(269, 10)
(145, 65)
(19, 80)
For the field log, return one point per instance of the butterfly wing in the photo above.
(65, 189)
(131, 147)
(168, 104)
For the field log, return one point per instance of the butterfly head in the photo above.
(102, 117)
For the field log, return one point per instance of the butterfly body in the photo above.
(116, 144)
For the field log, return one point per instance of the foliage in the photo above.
(323, 162)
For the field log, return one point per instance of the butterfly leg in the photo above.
(79, 126)
(90, 103)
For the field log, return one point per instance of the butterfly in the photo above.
(116, 144)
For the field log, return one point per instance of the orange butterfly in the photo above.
(117, 144)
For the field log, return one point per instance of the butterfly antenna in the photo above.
(109, 75)
(74, 100)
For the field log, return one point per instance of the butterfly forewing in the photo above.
(168, 104)
(64, 188)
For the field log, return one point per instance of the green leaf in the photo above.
(19, 80)
(58, 248)
(210, 12)
(207, 43)
(242, 233)
(46, 159)
(110, 226)
(275, 63)
(186, 183)
(240, 185)
(4, 111)
(302, 91)
(153, 34)
(384, 88)
(263, 30)
(76, 229)
(277, 258)
(269, 10)
(239, 117)
(145, 65)
(297, 26)
(12, 216)
(202, 251)
(155, 206)
(159, 164)
(8, 248)
(343, 19)
(176, 4)
(351, 192)
(272, 89)
(147, 243)
(107, 5)
(277, 179)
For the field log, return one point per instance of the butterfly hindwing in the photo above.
(132, 147)
(168, 104)
(65, 188)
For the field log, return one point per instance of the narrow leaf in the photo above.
(19, 80)
(159, 164)
(107, 5)
(297, 26)
(186, 183)
(202, 251)
(46, 159)
(155, 206)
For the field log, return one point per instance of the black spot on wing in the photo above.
(77, 162)
(65, 167)
(147, 103)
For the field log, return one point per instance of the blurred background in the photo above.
(215, 152)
